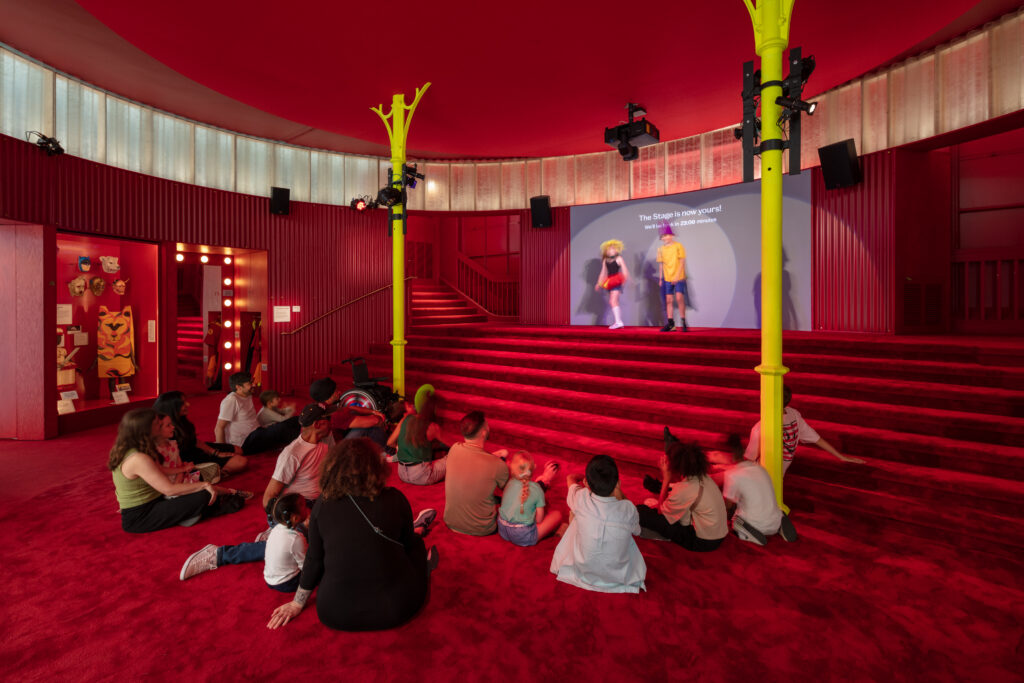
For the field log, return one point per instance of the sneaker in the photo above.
(685, 327)
(198, 562)
(747, 532)
(433, 558)
(787, 530)
(262, 536)
(669, 326)
(652, 484)
(615, 326)
(424, 519)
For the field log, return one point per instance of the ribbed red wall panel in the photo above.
(318, 257)
(545, 271)
(853, 236)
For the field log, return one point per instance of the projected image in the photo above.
(720, 231)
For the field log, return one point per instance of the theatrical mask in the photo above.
(97, 286)
(78, 285)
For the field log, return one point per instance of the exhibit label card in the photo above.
(80, 338)
(65, 406)
(151, 331)
(69, 395)
(282, 314)
(119, 397)
(63, 314)
(124, 387)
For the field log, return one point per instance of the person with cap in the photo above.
(672, 277)
(349, 422)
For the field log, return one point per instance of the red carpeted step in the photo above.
(962, 399)
(682, 352)
(944, 423)
(449, 319)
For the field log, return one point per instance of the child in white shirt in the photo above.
(598, 552)
(286, 545)
(273, 409)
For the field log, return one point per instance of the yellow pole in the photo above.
(398, 131)
(771, 20)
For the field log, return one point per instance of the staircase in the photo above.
(940, 422)
(190, 339)
(436, 305)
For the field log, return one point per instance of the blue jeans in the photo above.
(241, 553)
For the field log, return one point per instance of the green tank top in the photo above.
(409, 454)
(132, 493)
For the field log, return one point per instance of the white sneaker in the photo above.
(200, 561)
(615, 326)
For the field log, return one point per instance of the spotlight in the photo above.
(627, 137)
(410, 175)
(49, 145)
(795, 105)
(389, 196)
(363, 203)
(628, 151)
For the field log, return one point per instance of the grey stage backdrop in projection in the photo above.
(721, 231)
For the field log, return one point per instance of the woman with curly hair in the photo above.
(366, 552)
(689, 510)
(613, 275)
(149, 501)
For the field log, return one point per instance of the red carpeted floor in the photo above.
(88, 602)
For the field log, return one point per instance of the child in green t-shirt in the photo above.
(522, 519)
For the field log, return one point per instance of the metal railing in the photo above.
(988, 285)
(496, 296)
(349, 303)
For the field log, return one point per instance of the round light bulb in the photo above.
(227, 323)
(227, 345)
(227, 366)
(227, 260)
(179, 258)
(227, 302)
(204, 259)
(227, 281)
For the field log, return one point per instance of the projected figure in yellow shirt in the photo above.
(672, 277)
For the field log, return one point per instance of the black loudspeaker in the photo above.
(280, 204)
(840, 165)
(540, 211)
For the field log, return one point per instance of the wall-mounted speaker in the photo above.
(840, 166)
(280, 204)
(540, 211)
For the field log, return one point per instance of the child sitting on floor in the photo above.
(598, 552)
(522, 519)
(273, 409)
(286, 545)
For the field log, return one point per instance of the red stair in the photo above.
(435, 305)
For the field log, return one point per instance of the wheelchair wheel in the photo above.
(359, 398)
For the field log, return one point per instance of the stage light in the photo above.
(796, 105)
(389, 196)
(179, 258)
(227, 302)
(227, 260)
(410, 175)
(628, 151)
(49, 145)
(227, 281)
(227, 323)
(227, 345)
(362, 203)
(204, 259)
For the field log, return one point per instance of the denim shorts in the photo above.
(677, 287)
(519, 534)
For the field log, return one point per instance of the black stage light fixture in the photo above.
(794, 105)
(410, 175)
(362, 203)
(389, 196)
(49, 145)
(628, 137)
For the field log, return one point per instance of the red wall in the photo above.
(544, 298)
(318, 257)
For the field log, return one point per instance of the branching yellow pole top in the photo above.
(398, 106)
(781, 11)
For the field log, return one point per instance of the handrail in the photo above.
(472, 300)
(338, 308)
(473, 265)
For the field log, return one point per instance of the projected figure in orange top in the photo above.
(115, 344)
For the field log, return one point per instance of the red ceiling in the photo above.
(522, 79)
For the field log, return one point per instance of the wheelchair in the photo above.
(367, 393)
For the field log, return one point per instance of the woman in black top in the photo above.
(613, 275)
(364, 554)
(173, 405)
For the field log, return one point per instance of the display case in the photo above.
(107, 322)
